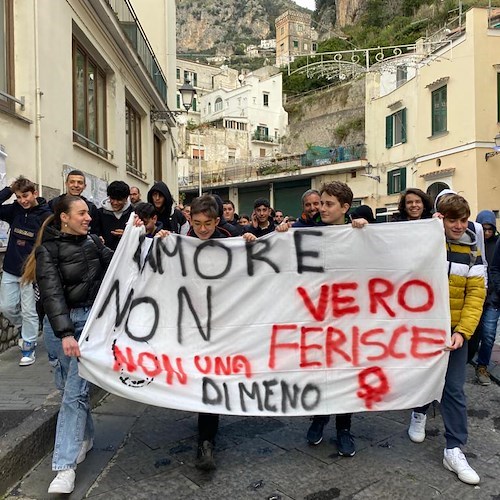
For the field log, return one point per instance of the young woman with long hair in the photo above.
(68, 266)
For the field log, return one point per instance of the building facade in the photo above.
(294, 36)
(242, 124)
(431, 122)
(80, 92)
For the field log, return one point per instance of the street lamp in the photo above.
(369, 170)
(496, 148)
(188, 93)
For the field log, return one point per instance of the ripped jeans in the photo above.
(74, 422)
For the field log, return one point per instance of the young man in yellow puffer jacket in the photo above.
(467, 293)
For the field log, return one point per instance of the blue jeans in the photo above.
(17, 303)
(487, 330)
(453, 402)
(74, 422)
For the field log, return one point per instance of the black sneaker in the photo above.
(315, 432)
(205, 457)
(345, 443)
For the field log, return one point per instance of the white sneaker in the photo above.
(28, 358)
(87, 445)
(454, 460)
(416, 431)
(64, 482)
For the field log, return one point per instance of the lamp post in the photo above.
(187, 92)
(199, 163)
(368, 172)
(496, 148)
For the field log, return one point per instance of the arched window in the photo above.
(435, 188)
(218, 104)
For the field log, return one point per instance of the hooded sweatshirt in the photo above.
(466, 281)
(488, 217)
(171, 218)
(473, 226)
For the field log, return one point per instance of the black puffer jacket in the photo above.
(69, 272)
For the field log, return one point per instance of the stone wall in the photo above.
(330, 117)
(8, 334)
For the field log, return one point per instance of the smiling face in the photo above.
(262, 213)
(332, 212)
(75, 184)
(117, 205)
(76, 221)
(27, 199)
(203, 225)
(414, 206)
(455, 228)
(312, 204)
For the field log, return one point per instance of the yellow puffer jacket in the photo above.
(466, 274)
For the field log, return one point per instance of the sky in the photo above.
(310, 4)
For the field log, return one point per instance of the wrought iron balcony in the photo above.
(133, 31)
(262, 137)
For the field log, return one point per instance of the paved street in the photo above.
(147, 452)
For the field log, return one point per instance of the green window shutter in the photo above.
(403, 125)
(388, 131)
(403, 179)
(390, 182)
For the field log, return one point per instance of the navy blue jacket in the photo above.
(24, 227)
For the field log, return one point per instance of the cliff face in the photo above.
(203, 25)
(349, 11)
(338, 13)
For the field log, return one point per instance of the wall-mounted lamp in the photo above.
(496, 148)
(369, 170)
(188, 93)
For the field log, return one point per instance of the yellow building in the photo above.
(432, 116)
(78, 83)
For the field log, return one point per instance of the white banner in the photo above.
(313, 321)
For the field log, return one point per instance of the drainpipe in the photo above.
(38, 95)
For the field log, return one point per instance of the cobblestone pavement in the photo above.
(147, 453)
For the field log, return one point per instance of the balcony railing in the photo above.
(224, 173)
(261, 137)
(134, 32)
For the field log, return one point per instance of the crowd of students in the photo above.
(63, 248)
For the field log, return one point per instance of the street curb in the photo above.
(25, 445)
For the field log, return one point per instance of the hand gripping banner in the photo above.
(313, 321)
